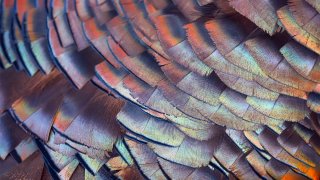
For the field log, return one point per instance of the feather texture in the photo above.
(159, 89)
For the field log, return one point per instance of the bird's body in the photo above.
(160, 89)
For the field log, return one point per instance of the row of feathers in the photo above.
(159, 89)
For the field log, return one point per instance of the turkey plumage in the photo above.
(160, 89)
